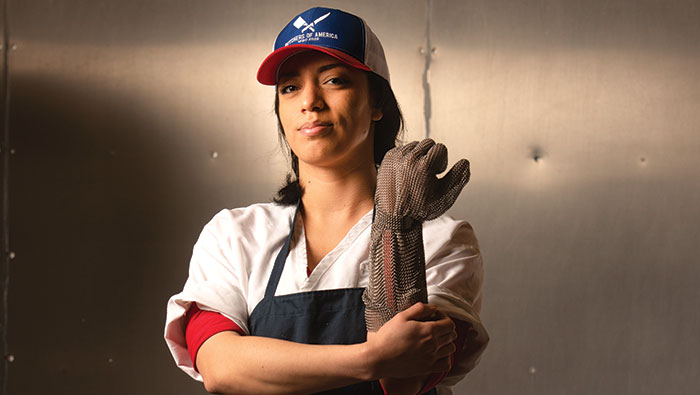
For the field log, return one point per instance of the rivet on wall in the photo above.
(536, 154)
(13, 47)
(10, 358)
(643, 161)
(110, 360)
(214, 154)
(11, 255)
(532, 370)
(12, 151)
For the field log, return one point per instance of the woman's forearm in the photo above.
(234, 364)
(406, 346)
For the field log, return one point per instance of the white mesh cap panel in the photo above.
(374, 54)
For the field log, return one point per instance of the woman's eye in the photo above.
(287, 89)
(336, 81)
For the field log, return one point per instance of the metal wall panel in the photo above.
(134, 122)
(5, 259)
(581, 122)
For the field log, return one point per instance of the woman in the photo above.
(273, 302)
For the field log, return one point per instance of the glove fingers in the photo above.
(450, 186)
(436, 159)
(422, 148)
(454, 181)
(405, 149)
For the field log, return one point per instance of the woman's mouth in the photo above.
(314, 128)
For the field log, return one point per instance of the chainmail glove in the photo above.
(408, 193)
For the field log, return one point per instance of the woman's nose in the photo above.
(312, 100)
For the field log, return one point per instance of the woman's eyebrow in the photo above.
(287, 75)
(329, 66)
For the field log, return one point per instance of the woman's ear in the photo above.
(377, 114)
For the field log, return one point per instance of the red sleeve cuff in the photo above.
(200, 325)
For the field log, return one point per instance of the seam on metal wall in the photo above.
(5, 258)
(428, 51)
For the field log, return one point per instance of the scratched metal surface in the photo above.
(134, 122)
(591, 249)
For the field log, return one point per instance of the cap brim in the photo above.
(267, 73)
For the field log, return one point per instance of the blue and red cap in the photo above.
(344, 36)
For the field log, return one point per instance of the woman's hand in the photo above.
(416, 342)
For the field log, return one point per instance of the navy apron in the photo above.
(334, 316)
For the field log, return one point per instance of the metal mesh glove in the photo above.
(408, 193)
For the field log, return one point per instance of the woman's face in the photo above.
(326, 111)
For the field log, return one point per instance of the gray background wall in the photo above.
(131, 123)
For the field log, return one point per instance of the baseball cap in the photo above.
(337, 33)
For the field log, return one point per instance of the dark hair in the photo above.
(386, 132)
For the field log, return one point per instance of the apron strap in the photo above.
(281, 258)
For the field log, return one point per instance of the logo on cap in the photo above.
(304, 37)
(301, 22)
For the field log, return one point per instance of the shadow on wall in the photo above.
(102, 223)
